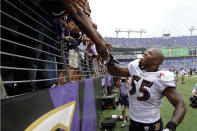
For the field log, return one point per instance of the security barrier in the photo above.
(32, 58)
(45, 86)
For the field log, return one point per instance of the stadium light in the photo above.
(118, 30)
(191, 29)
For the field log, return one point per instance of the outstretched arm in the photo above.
(117, 70)
(74, 9)
(175, 99)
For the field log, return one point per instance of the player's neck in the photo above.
(141, 66)
(150, 68)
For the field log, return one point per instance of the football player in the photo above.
(149, 85)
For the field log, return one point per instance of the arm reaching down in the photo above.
(180, 109)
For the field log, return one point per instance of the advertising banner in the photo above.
(192, 51)
(175, 52)
(70, 107)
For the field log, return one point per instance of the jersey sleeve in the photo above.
(166, 79)
(132, 67)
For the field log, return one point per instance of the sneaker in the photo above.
(123, 124)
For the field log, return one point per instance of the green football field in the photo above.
(188, 124)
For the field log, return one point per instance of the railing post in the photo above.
(65, 64)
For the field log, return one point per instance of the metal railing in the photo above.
(31, 56)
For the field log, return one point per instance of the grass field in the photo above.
(188, 124)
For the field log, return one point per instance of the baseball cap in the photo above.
(58, 13)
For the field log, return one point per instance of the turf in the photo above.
(188, 124)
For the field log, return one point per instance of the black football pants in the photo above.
(137, 126)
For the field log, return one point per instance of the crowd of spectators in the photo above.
(58, 45)
(159, 42)
(178, 63)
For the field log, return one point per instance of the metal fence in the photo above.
(32, 58)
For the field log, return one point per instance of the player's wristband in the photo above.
(171, 126)
(111, 60)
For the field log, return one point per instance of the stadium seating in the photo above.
(171, 42)
(183, 41)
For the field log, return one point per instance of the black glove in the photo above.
(171, 126)
(112, 60)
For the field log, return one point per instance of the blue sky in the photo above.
(155, 16)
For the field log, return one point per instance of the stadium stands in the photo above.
(183, 41)
(178, 63)
(177, 57)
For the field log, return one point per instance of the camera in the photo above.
(123, 80)
(69, 44)
(193, 101)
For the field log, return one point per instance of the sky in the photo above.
(155, 16)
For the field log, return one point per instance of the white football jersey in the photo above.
(146, 92)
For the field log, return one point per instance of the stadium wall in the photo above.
(74, 106)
